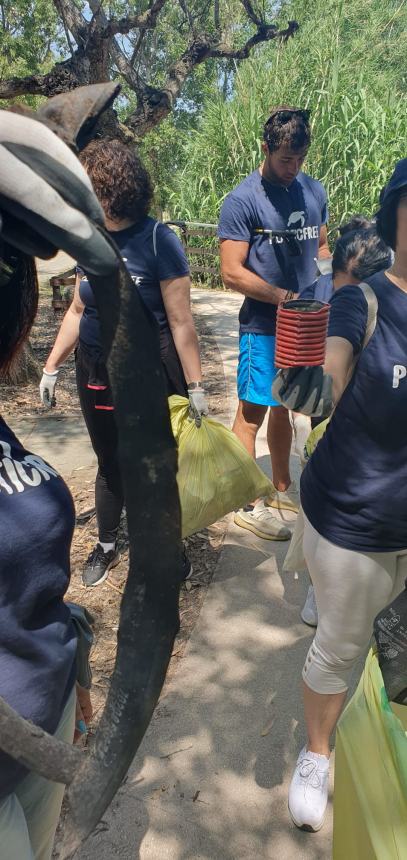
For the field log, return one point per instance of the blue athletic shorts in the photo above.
(256, 369)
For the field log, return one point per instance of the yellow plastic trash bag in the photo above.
(370, 797)
(315, 436)
(216, 475)
(294, 559)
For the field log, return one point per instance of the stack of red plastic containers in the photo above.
(301, 333)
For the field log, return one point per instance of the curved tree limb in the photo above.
(149, 610)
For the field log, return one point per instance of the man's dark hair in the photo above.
(120, 180)
(19, 301)
(287, 126)
(361, 253)
(386, 218)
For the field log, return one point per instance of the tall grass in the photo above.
(342, 66)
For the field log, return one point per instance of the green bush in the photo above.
(344, 64)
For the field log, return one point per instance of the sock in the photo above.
(107, 546)
(302, 429)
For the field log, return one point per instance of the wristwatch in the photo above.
(192, 385)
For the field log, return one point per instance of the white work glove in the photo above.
(198, 404)
(47, 388)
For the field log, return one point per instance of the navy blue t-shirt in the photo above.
(150, 258)
(321, 291)
(354, 488)
(258, 203)
(37, 638)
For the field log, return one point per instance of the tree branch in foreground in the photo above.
(36, 749)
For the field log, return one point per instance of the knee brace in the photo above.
(325, 672)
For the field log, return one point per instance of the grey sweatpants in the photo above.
(350, 589)
(29, 816)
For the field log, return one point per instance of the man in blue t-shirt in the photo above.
(276, 196)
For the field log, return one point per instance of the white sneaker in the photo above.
(308, 795)
(261, 522)
(309, 612)
(284, 500)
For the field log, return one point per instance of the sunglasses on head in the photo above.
(285, 114)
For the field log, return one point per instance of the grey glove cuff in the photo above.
(304, 389)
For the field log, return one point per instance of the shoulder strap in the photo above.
(155, 228)
(372, 306)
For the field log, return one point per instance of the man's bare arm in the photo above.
(323, 248)
(235, 276)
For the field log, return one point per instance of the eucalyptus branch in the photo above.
(72, 19)
(251, 14)
(145, 21)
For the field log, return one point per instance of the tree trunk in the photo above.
(25, 368)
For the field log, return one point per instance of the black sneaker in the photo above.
(98, 564)
(187, 569)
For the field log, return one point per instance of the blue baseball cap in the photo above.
(397, 180)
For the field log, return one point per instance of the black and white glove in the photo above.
(46, 198)
(198, 404)
(304, 389)
(47, 388)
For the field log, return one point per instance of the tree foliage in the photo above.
(343, 65)
(29, 36)
(153, 46)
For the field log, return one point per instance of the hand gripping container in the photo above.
(301, 333)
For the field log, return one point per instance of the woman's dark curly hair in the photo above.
(287, 126)
(361, 253)
(120, 180)
(357, 222)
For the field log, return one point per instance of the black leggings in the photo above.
(103, 435)
(101, 425)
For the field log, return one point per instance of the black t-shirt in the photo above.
(354, 488)
(37, 638)
(152, 253)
